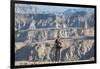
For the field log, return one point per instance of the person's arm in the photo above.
(55, 43)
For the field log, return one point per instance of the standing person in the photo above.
(58, 47)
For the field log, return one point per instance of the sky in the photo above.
(29, 8)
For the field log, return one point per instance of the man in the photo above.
(58, 47)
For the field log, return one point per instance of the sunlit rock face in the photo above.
(70, 51)
(36, 34)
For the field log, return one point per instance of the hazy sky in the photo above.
(44, 8)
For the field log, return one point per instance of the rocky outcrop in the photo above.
(36, 34)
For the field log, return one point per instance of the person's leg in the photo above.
(58, 54)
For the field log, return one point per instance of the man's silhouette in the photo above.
(58, 47)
